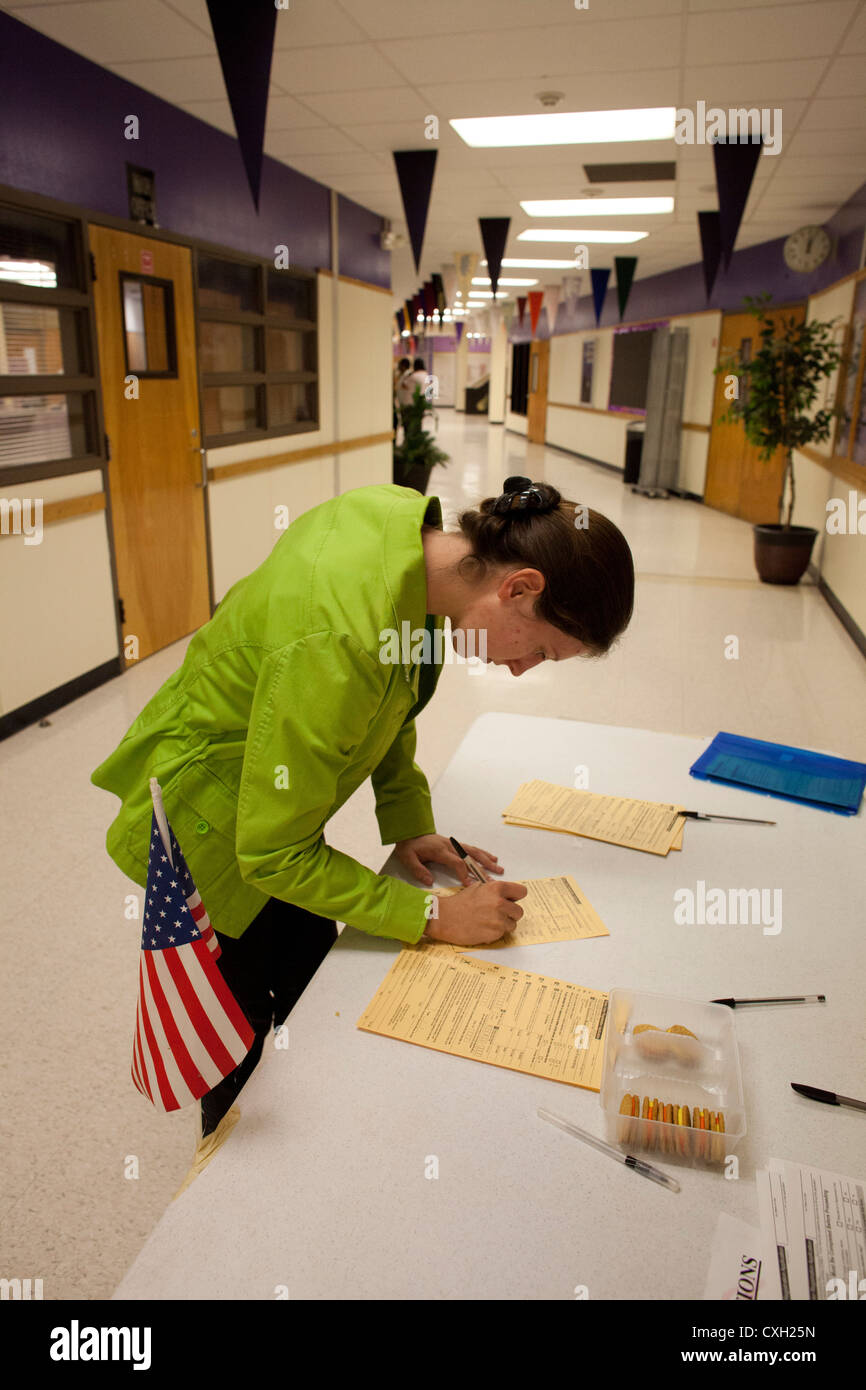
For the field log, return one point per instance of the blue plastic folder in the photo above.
(794, 774)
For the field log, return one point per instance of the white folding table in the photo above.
(325, 1187)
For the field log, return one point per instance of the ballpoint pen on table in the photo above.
(473, 868)
(706, 815)
(828, 1097)
(646, 1170)
(781, 999)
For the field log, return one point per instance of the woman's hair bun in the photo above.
(524, 496)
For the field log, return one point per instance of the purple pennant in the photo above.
(494, 235)
(458, 330)
(625, 268)
(415, 170)
(429, 299)
(735, 162)
(711, 247)
(244, 37)
(599, 280)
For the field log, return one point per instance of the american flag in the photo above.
(189, 1030)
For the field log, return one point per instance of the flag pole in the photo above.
(161, 820)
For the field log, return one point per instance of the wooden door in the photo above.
(147, 353)
(536, 412)
(738, 481)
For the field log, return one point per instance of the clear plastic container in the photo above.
(701, 1072)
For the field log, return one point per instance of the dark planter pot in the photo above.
(417, 477)
(782, 554)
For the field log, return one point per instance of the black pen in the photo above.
(706, 815)
(828, 1097)
(470, 863)
(782, 999)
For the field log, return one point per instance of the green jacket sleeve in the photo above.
(313, 707)
(403, 805)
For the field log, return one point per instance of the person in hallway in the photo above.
(400, 370)
(286, 702)
(408, 382)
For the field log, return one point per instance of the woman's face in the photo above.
(499, 625)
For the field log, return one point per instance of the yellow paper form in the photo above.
(619, 820)
(491, 1013)
(554, 909)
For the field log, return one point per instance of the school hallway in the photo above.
(90, 1166)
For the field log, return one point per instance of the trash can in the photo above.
(633, 449)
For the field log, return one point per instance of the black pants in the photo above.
(267, 970)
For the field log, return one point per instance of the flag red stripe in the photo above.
(232, 1009)
(147, 1090)
(193, 1078)
(136, 1076)
(167, 1096)
(197, 1014)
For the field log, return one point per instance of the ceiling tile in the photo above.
(846, 77)
(822, 142)
(489, 16)
(728, 34)
(378, 106)
(176, 79)
(118, 31)
(477, 96)
(286, 144)
(284, 113)
(839, 113)
(742, 83)
(546, 52)
(334, 68)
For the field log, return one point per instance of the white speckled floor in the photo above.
(72, 1126)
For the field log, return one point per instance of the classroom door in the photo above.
(536, 411)
(147, 352)
(738, 481)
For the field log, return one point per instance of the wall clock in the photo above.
(807, 248)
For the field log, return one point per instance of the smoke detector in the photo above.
(549, 99)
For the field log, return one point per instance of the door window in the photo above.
(149, 339)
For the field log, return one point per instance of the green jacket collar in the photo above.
(404, 566)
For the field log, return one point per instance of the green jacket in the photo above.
(281, 709)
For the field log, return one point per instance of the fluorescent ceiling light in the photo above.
(596, 207)
(568, 127)
(485, 280)
(512, 263)
(487, 294)
(579, 235)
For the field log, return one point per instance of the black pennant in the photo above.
(625, 267)
(415, 169)
(735, 162)
(711, 247)
(494, 234)
(244, 36)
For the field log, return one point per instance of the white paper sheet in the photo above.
(737, 1266)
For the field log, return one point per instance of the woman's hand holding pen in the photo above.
(480, 914)
(483, 912)
(436, 849)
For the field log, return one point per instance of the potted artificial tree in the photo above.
(418, 454)
(777, 388)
